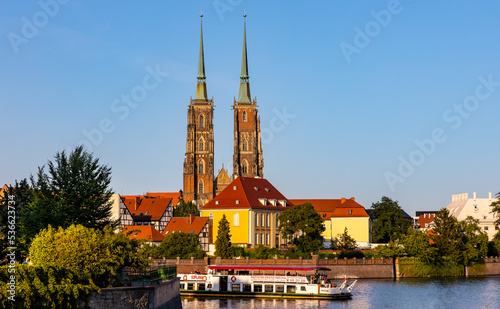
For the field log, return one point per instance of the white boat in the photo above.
(270, 281)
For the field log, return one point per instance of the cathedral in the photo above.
(199, 184)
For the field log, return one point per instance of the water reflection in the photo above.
(404, 293)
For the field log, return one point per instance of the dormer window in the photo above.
(263, 201)
(235, 187)
(216, 202)
(273, 202)
(256, 189)
(237, 202)
(282, 203)
(349, 212)
(267, 190)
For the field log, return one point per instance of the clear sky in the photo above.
(357, 98)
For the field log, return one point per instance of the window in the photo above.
(247, 288)
(267, 239)
(237, 202)
(200, 187)
(324, 215)
(190, 286)
(257, 287)
(261, 238)
(244, 116)
(235, 287)
(183, 286)
(290, 288)
(201, 286)
(244, 167)
(349, 212)
(256, 238)
(211, 216)
(201, 167)
(245, 145)
(280, 289)
(262, 220)
(485, 228)
(201, 122)
(269, 288)
(236, 219)
(267, 220)
(256, 219)
(302, 288)
(201, 144)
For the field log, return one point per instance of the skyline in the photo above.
(366, 86)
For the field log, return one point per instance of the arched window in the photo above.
(201, 167)
(201, 122)
(245, 145)
(244, 167)
(200, 187)
(201, 144)
(236, 219)
(244, 116)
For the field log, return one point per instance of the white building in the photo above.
(462, 206)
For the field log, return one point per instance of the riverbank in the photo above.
(351, 268)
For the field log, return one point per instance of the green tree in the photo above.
(474, 241)
(344, 242)
(447, 235)
(391, 250)
(305, 221)
(100, 253)
(496, 210)
(184, 209)
(75, 191)
(389, 222)
(417, 243)
(223, 243)
(180, 244)
(19, 198)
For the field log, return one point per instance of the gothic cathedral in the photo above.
(199, 184)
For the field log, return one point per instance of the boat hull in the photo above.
(219, 294)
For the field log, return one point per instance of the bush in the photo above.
(46, 287)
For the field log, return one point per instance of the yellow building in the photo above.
(337, 214)
(251, 206)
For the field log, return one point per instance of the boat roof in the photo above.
(268, 267)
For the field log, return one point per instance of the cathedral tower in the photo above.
(247, 158)
(199, 162)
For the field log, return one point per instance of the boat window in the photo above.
(183, 286)
(247, 288)
(190, 286)
(280, 289)
(257, 287)
(302, 288)
(290, 288)
(269, 288)
(235, 287)
(201, 286)
(209, 286)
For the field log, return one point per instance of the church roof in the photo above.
(249, 193)
(336, 208)
(145, 232)
(186, 225)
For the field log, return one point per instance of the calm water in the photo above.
(405, 293)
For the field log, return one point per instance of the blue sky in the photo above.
(363, 99)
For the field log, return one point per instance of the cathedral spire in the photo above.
(201, 87)
(244, 95)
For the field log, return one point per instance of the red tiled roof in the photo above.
(336, 208)
(246, 193)
(146, 232)
(182, 224)
(425, 218)
(154, 207)
(175, 196)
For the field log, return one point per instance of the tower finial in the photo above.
(201, 90)
(244, 95)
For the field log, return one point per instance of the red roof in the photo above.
(336, 208)
(184, 224)
(175, 196)
(425, 218)
(248, 192)
(145, 232)
(268, 267)
(154, 207)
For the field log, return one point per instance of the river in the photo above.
(404, 293)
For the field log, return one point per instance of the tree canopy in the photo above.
(389, 223)
(179, 244)
(184, 209)
(496, 210)
(343, 242)
(305, 221)
(223, 243)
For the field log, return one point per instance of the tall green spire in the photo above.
(201, 87)
(244, 95)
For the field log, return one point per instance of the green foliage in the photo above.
(391, 250)
(75, 191)
(343, 242)
(223, 243)
(415, 267)
(22, 198)
(416, 243)
(184, 209)
(100, 254)
(389, 223)
(180, 244)
(494, 247)
(496, 210)
(240, 251)
(263, 252)
(305, 221)
(46, 287)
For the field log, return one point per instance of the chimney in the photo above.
(474, 195)
(489, 195)
(352, 198)
(342, 200)
(137, 202)
(191, 218)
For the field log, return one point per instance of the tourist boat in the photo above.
(268, 281)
